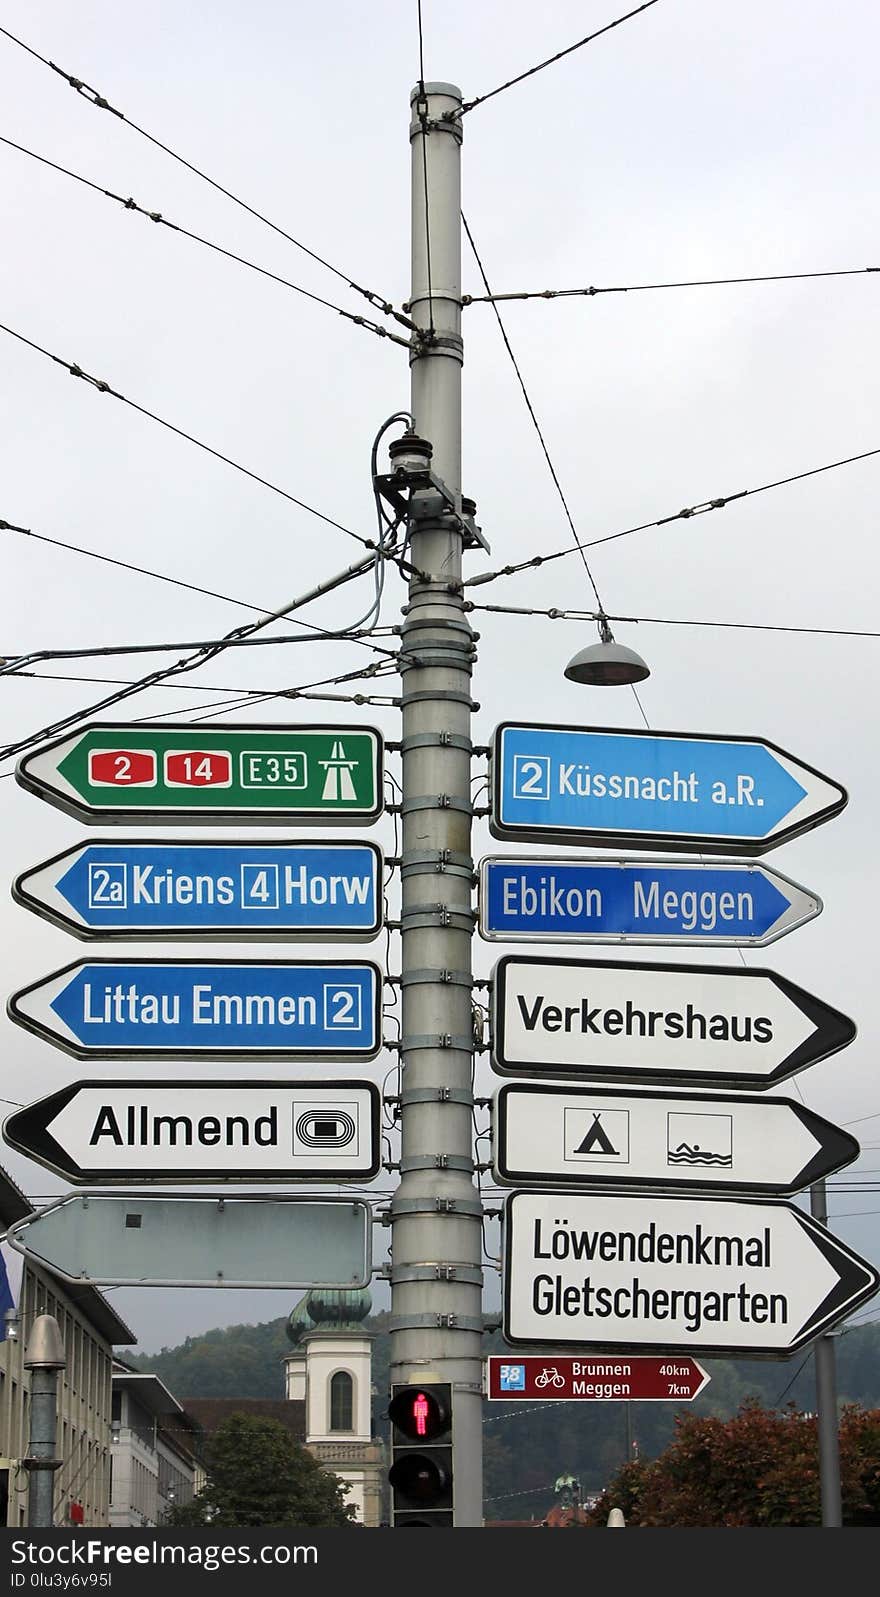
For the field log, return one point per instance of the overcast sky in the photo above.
(694, 141)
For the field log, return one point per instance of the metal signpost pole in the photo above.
(826, 1398)
(436, 1211)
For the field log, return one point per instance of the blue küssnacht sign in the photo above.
(674, 790)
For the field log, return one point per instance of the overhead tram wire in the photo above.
(531, 410)
(201, 656)
(669, 621)
(550, 61)
(98, 100)
(156, 216)
(700, 509)
(15, 666)
(579, 545)
(643, 288)
(105, 388)
(7, 667)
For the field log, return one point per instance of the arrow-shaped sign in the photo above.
(94, 1132)
(739, 1278)
(715, 903)
(686, 791)
(589, 1139)
(121, 771)
(155, 1240)
(609, 1020)
(594, 1380)
(235, 891)
(142, 1008)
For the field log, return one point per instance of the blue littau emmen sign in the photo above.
(238, 891)
(680, 791)
(152, 1008)
(639, 901)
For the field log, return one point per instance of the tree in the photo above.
(760, 1468)
(257, 1475)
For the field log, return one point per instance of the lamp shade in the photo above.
(607, 665)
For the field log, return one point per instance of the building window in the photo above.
(341, 1401)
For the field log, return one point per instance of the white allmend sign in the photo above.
(668, 1274)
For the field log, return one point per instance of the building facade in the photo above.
(89, 1330)
(151, 1449)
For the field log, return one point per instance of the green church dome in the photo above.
(344, 1308)
(299, 1322)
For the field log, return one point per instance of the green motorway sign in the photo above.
(266, 774)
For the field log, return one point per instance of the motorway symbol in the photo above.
(224, 1008)
(145, 1239)
(209, 890)
(617, 901)
(736, 1277)
(266, 774)
(674, 790)
(615, 1020)
(95, 1132)
(620, 1377)
(586, 1138)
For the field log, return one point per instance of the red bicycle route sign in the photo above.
(596, 1378)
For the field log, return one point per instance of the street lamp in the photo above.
(606, 664)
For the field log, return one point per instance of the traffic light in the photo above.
(421, 1451)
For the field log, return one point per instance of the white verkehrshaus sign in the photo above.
(621, 1020)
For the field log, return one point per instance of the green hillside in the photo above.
(528, 1445)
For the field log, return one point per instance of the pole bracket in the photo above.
(425, 916)
(460, 1208)
(436, 801)
(436, 1272)
(435, 1039)
(439, 1322)
(456, 1095)
(437, 1161)
(433, 740)
(437, 862)
(431, 976)
(437, 653)
(440, 695)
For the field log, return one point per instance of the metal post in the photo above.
(436, 1277)
(44, 1357)
(826, 1398)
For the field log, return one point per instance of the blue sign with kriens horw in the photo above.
(681, 791)
(150, 1008)
(237, 890)
(639, 901)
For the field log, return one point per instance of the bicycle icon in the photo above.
(549, 1377)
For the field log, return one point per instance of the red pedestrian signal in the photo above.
(420, 1476)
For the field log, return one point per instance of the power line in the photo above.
(668, 621)
(143, 571)
(559, 56)
(191, 662)
(86, 91)
(15, 667)
(642, 288)
(155, 216)
(104, 388)
(701, 509)
(531, 411)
